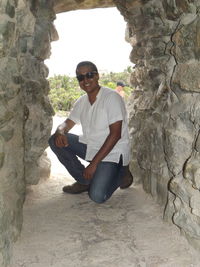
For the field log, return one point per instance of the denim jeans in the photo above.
(107, 177)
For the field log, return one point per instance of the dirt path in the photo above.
(62, 230)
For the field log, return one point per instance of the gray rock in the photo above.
(164, 109)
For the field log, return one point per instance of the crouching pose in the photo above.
(104, 143)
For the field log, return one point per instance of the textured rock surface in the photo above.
(67, 5)
(164, 108)
(26, 31)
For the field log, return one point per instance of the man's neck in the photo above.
(92, 96)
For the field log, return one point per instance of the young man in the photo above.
(104, 142)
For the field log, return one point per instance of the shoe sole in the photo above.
(74, 193)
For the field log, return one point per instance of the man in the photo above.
(120, 89)
(104, 142)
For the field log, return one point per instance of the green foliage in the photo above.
(65, 90)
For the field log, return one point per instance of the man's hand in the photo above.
(60, 140)
(60, 137)
(111, 140)
(89, 171)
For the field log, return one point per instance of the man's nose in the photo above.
(85, 78)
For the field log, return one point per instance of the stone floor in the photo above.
(63, 230)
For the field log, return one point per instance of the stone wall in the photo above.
(26, 31)
(68, 5)
(164, 108)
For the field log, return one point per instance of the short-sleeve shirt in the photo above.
(95, 119)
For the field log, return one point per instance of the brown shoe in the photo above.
(127, 179)
(75, 188)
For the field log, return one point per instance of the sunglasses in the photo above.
(88, 75)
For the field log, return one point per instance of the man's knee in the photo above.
(97, 196)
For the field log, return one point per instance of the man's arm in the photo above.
(110, 142)
(65, 127)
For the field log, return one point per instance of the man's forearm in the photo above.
(108, 145)
(110, 142)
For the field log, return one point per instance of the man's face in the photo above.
(89, 79)
(120, 88)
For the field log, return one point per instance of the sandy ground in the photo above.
(63, 230)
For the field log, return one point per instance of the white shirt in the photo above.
(95, 119)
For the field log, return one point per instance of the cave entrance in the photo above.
(97, 35)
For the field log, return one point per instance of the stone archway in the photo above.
(164, 114)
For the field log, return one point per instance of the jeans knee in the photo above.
(97, 196)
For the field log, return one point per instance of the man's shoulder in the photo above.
(80, 101)
(108, 91)
(82, 98)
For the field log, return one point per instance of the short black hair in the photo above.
(87, 63)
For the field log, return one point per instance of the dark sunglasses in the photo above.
(88, 75)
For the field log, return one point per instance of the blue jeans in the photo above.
(107, 177)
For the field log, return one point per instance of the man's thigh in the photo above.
(75, 146)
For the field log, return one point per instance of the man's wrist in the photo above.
(62, 128)
(62, 132)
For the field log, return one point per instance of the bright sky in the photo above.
(97, 35)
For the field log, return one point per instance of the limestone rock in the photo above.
(164, 109)
(66, 5)
(44, 164)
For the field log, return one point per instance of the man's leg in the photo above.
(68, 156)
(106, 180)
(108, 177)
(127, 178)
